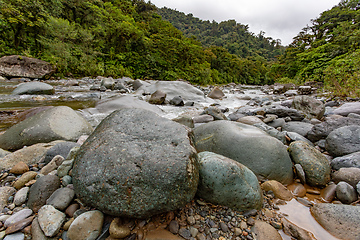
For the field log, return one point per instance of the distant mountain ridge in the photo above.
(233, 36)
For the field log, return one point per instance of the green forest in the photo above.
(134, 38)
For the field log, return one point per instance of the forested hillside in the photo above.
(233, 36)
(327, 51)
(116, 38)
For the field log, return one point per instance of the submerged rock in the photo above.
(136, 164)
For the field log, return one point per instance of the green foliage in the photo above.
(326, 52)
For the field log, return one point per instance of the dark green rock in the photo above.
(136, 164)
(266, 156)
(224, 181)
(315, 165)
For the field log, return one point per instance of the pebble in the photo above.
(174, 227)
(61, 198)
(19, 168)
(19, 225)
(5, 193)
(21, 196)
(50, 220)
(86, 226)
(118, 229)
(21, 215)
(15, 236)
(70, 210)
(185, 233)
(346, 193)
(25, 178)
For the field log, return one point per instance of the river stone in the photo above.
(42, 190)
(216, 93)
(29, 155)
(296, 231)
(157, 161)
(301, 128)
(15, 236)
(264, 155)
(36, 232)
(315, 165)
(86, 226)
(348, 108)
(158, 97)
(108, 83)
(281, 111)
(20, 66)
(340, 220)
(62, 148)
(5, 193)
(279, 190)
(16, 217)
(223, 181)
(61, 198)
(312, 107)
(21, 196)
(50, 220)
(57, 123)
(322, 130)
(349, 175)
(264, 231)
(343, 141)
(24, 179)
(250, 120)
(3, 153)
(350, 160)
(174, 89)
(34, 88)
(346, 193)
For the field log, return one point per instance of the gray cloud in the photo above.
(279, 19)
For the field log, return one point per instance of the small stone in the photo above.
(25, 178)
(200, 236)
(224, 227)
(61, 198)
(328, 193)
(19, 225)
(50, 220)
(191, 220)
(19, 168)
(52, 165)
(15, 236)
(21, 215)
(118, 229)
(71, 209)
(174, 226)
(68, 224)
(243, 225)
(86, 226)
(185, 233)
(193, 231)
(346, 193)
(237, 231)
(278, 189)
(251, 222)
(21, 195)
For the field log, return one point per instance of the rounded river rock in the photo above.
(136, 164)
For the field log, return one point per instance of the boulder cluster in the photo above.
(67, 180)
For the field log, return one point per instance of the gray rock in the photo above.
(21, 196)
(86, 226)
(216, 93)
(215, 112)
(52, 165)
(293, 136)
(322, 130)
(343, 141)
(57, 123)
(349, 175)
(64, 168)
(346, 193)
(281, 111)
(3, 153)
(177, 101)
(20, 66)
(301, 128)
(342, 221)
(61, 198)
(123, 102)
(305, 90)
(272, 131)
(242, 143)
(157, 161)
(15, 236)
(350, 160)
(175, 89)
(16, 217)
(279, 122)
(5, 193)
(36, 232)
(223, 181)
(264, 231)
(34, 88)
(316, 166)
(185, 120)
(61, 148)
(348, 108)
(50, 220)
(42, 190)
(158, 97)
(29, 155)
(300, 173)
(312, 107)
(108, 83)
(296, 231)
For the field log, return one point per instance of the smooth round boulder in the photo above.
(348, 108)
(57, 123)
(136, 164)
(315, 165)
(301, 128)
(266, 156)
(343, 141)
(34, 88)
(346, 193)
(340, 220)
(223, 181)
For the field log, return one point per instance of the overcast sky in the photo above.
(279, 19)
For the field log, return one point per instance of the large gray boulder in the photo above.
(266, 156)
(343, 141)
(340, 220)
(224, 181)
(281, 111)
(136, 164)
(20, 66)
(312, 107)
(57, 123)
(315, 165)
(350, 160)
(347, 108)
(174, 89)
(33, 88)
(322, 130)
